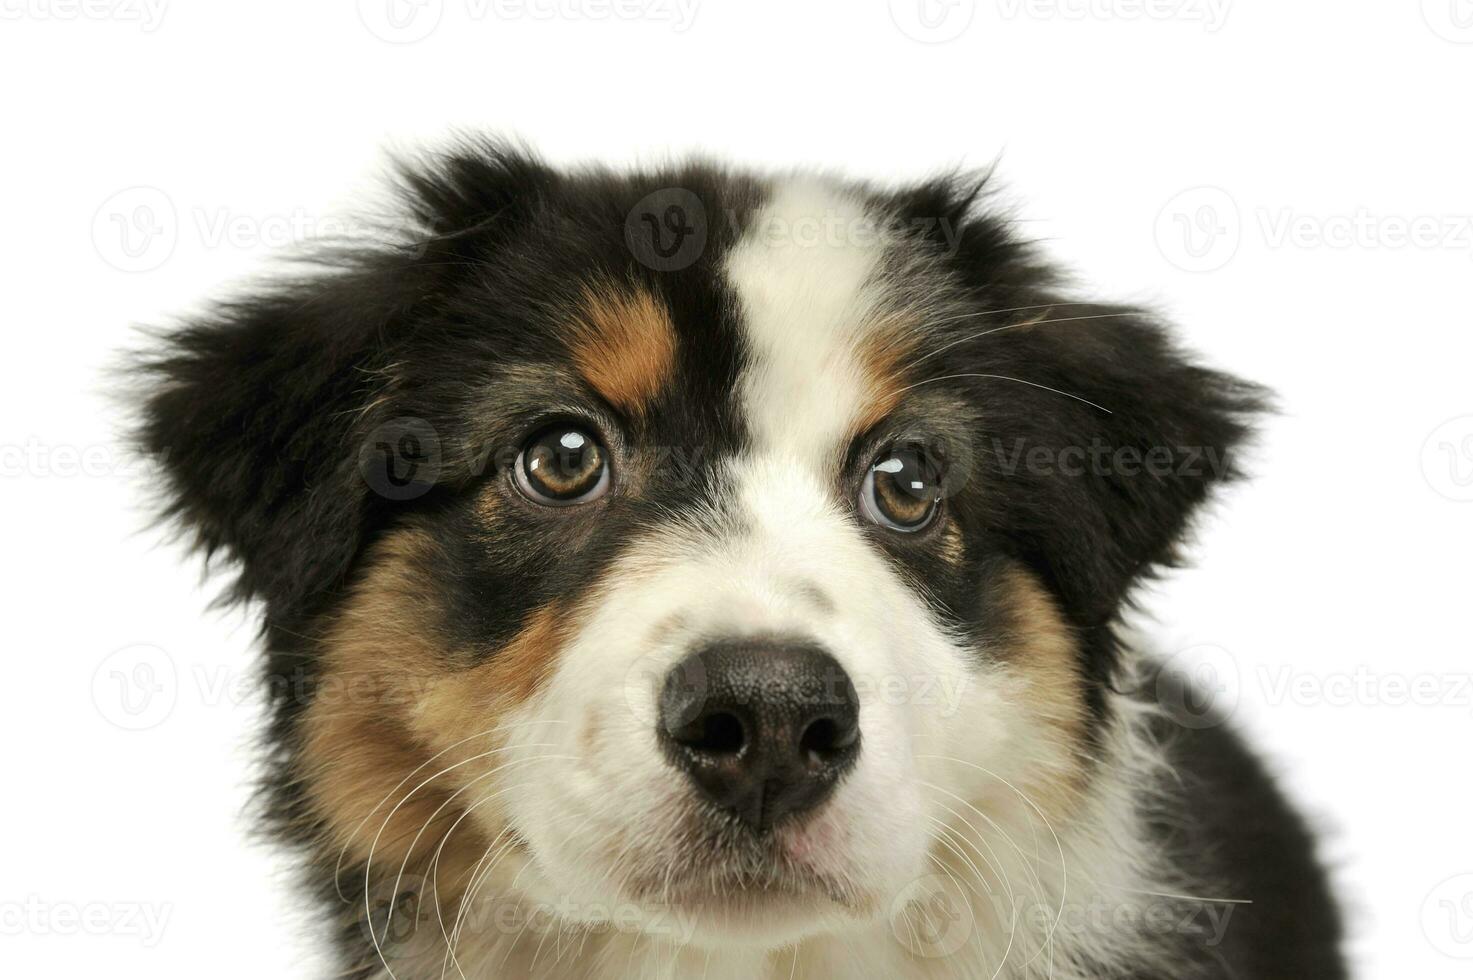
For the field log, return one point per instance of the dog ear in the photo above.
(273, 417)
(252, 414)
(1099, 438)
(1106, 450)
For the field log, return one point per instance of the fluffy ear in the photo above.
(252, 414)
(1100, 439)
(264, 413)
(1097, 495)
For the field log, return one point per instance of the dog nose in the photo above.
(764, 730)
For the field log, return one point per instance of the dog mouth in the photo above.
(723, 867)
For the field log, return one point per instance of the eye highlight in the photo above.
(562, 465)
(902, 490)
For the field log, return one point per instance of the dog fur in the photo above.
(465, 681)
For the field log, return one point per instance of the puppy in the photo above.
(700, 573)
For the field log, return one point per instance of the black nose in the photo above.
(764, 730)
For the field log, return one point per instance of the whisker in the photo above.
(1063, 864)
(1004, 377)
(409, 851)
(1009, 309)
(338, 868)
(479, 879)
(435, 874)
(976, 872)
(1015, 326)
(368, 864)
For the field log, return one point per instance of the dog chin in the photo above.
(717, 910)
(771, 917)
(739, 889)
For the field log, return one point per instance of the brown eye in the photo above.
(562, 465)
(901, 491)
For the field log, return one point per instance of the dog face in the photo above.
(684, 540)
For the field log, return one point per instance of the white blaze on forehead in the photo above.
(805, 276)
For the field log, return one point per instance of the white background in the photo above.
(1255, 168)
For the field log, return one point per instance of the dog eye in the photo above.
(901, 491)
(562, 465)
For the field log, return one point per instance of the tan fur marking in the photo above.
(624, 345)
(390, 697)
(887, 348)
(1043, 653)
(953, 547)
(464, 699)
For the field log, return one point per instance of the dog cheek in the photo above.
(401, 736)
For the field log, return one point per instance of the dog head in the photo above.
(683, 539)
